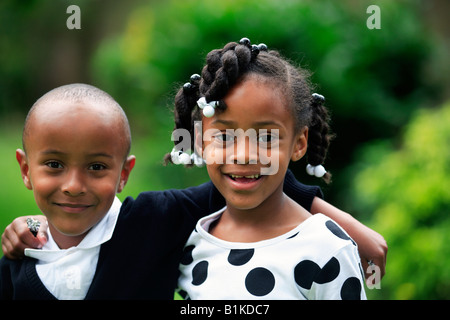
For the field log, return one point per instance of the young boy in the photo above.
(76, 142)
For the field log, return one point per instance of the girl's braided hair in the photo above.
(233, 63)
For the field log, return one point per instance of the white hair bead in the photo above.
(208, 111)
(184, 158)
(318, 171)
(310, 169)
(174, 157)
(208, 108)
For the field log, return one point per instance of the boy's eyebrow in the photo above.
(92, 155)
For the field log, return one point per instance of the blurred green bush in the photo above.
(406, 193)
(374, 82)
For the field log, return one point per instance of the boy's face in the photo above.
(75, 164)
(244, 176)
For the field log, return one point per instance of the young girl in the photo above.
(257, 114)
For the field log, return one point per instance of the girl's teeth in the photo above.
(255, 176)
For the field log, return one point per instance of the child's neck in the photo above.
(63, 241)
(272, 218)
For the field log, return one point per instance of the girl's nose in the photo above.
(246, 150)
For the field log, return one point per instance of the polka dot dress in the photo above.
(316, 260)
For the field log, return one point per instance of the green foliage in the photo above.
(406, 192)
(374, 80)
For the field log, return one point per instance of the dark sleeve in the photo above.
(195, 202)
(299, 192)
(177, 210)
(5, 280)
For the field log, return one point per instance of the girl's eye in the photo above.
(224, 137)
(97, 167)
(267, 138)
(54, 165)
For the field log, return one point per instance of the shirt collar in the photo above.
(99, 234)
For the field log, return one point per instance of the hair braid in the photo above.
(222, 70)
(319, 136)
(185, 102)
(225, 67)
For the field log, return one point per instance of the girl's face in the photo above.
(248, 146)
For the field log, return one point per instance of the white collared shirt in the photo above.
(68, 273)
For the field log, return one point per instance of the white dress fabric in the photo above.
(316, 260)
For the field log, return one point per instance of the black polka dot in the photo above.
(336, 230)
(260, 282)
(351, 289)
(329, 272)
(187, 258)
(200, 273)
(239, 257)
(306, 272)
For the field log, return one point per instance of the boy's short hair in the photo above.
(84, 93)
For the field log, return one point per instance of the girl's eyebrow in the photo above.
(225, 122)
(256, 124)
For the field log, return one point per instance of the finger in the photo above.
(18, 237)
(42, 238)
(365, 266)
(11, 246)
(25, 235)
(381, 263)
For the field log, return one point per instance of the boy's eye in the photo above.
(54, 165)
(97, 167)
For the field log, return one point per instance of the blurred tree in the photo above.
(373, 79)
(405, 192)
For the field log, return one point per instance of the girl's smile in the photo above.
(245, 181)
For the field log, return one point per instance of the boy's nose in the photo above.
(74, 184)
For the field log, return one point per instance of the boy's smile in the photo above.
(75, 163)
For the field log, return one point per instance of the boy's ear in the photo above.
(301, 145)
(125, 173)
(24, 168)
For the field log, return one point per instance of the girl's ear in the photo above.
(125, 173)
(300, 145)
(24, 168)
